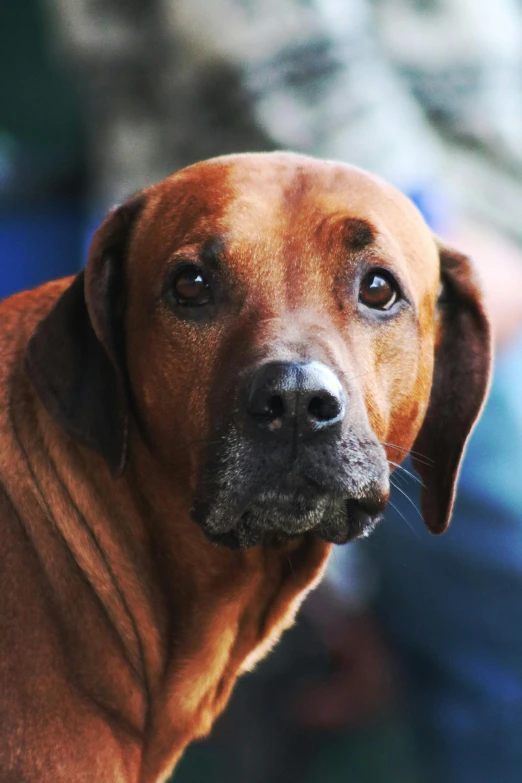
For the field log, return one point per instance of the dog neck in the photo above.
(178, 617)
(222, 610)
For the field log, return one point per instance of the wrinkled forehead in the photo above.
(267, 203)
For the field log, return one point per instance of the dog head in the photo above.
(280, 331)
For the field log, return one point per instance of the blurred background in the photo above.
(405, 666)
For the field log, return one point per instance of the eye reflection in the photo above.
(191, 288)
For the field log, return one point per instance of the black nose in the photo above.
(305, 397)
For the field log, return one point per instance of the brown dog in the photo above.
(185, 429)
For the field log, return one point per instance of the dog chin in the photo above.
(335, 521)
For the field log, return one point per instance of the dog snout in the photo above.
(299, 398)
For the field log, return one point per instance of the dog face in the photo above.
(270, 325)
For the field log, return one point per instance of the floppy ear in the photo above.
(460, 385)
(75, 357)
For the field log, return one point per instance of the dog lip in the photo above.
(296, 488)
(373, 505)
(287, 501)
(295, 493)
(360, 522)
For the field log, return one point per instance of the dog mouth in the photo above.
(250, 492)
(334, 520)
(289, 505)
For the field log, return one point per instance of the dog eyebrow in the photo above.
(358, 233)
(212, 251)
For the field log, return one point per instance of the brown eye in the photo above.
(378, 291)
(190, 287)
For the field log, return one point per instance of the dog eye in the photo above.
(378, 290)
(191, 288)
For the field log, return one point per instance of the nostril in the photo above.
(267, 406)
(275, 407)
(324, 408)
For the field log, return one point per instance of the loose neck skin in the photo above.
(222, 610)
(189, 616)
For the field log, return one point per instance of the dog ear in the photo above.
(460, 385)
(75, 357)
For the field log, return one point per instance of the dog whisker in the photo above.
(408, 499)
(408, 473)
(415, 533)
(396, 474)
(423, 458)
